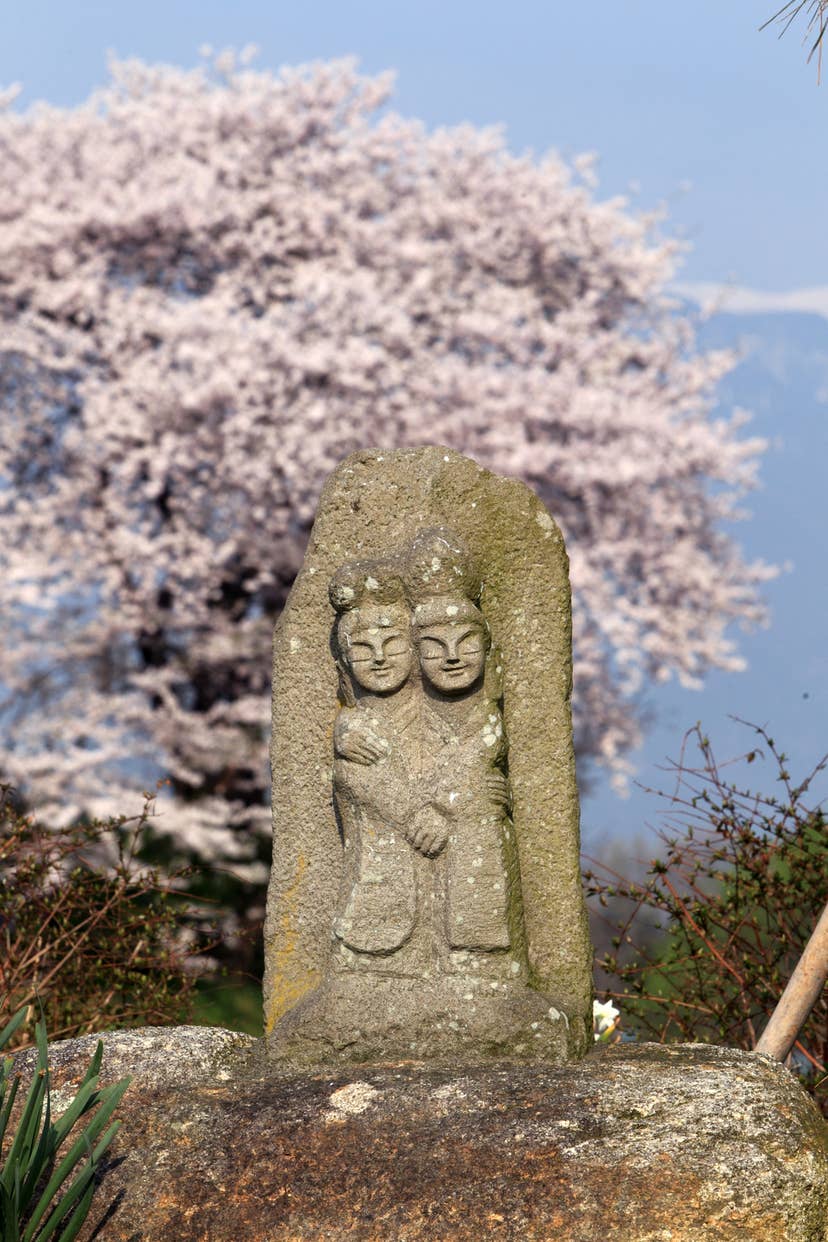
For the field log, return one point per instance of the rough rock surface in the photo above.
(372, 505)
(681, 1143)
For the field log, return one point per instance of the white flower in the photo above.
(604, 1017)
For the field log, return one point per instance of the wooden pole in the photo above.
(800, 996)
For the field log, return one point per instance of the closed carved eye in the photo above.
(434, 648)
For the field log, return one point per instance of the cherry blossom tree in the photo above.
(214, 284)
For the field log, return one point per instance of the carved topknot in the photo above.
(366, 582)
(438, 564)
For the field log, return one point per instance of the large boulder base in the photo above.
(682, 1142)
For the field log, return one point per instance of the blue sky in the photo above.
(687, 106)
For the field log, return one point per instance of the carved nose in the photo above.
(452, 660)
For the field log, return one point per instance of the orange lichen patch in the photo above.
(290, 981)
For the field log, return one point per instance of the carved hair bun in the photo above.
(366, 582)
(438, 564)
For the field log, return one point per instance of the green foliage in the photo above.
(87, 929)
(234, 1003)
(43, 1197)
(737, 890)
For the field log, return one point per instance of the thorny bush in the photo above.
(88, 931)
(737, 891)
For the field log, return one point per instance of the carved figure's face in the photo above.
(376, 646)
(452, 654)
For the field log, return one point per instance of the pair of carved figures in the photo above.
(420, 780)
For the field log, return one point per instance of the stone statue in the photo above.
(420, 752)
(411, 906)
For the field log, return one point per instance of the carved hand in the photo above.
(428, 835)
(360, 745)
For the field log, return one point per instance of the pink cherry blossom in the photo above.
(213, 286)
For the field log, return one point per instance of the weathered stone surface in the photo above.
(520, 983)
(636, 1144)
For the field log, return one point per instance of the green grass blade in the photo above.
(81, 1145)
(86, 1098)
(10, 1029)
(23, 1144)
(77, 1189)
(29, 1123)
(81, 1211)
(9, 1217)
(5, 1113)
(40, 1158)
(78, 1216)
(94, 1064)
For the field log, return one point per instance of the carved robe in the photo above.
(378, 902)
(476, 881)
(436, 770)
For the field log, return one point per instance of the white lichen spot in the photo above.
(371, 584)
(446, 458)
(347, 592)
(296, 644)
(311, 569)
(515, 968)
(477, 862)
(452, 610)
(354, 1097)
(470, 879)
(497, 886)
(489, 738)
(453, 796)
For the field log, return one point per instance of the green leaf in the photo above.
(110, 1099)
(78, 1216)
(10, 1029)
(5, 1112)
(28, 1126)
(76, 1191)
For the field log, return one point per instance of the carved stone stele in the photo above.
(425, 897)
